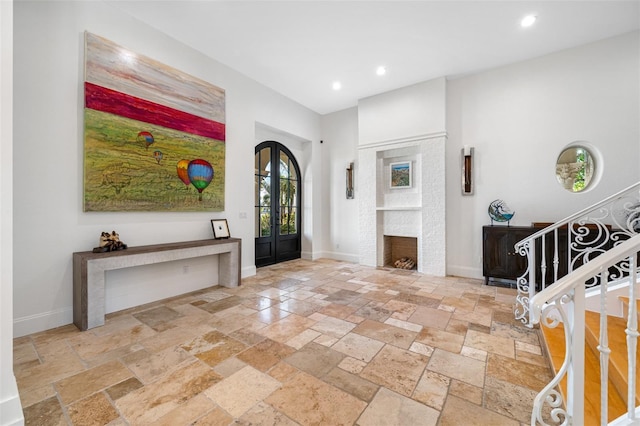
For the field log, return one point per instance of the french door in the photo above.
(277, 204)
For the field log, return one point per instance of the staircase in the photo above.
(554, 343)
(561, 248)
(594, 354)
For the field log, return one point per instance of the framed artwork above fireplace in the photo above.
(400, 175)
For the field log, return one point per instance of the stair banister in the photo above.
(566, 300)
(579, 214)
(579, 246)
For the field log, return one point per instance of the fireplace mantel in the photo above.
(417, 212)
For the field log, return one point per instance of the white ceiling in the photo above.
(299, 48)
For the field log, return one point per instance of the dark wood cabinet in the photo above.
(499, 257)
(501, 261)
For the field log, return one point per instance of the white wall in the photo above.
(10, 408)
(49, 224)
(408, 112)
(340, 144)
(519, 117)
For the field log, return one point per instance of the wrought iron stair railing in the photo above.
(565, 302)
(559, 249)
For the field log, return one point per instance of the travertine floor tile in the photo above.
(466, 391)
(84, 384)
(242, 390)
(45, 413)
(301, 343)
(396, 369)
(432, 389)
(265, 354)
(386, 333)
(458, 367)
(264, 414)
(159, 319)
(148, 367)
(188, 412)
(390, 408)
(147, 404)
(333, 327)
(351, 383)
(94, 410)
(458, 412)
(491, 343)
(119, 390)
(310, 401)
(217, 417)
(440, 339)
(315, 359)
(359, 347)
(213, 347)
(532, 376)
(509, 399)
(286, 328)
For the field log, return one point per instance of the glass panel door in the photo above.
(277, 205)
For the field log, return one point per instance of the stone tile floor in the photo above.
(301, 343)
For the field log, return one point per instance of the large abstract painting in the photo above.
(154, 137)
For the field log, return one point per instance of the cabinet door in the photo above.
(500, 257)
(497, 259)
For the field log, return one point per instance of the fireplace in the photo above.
(417, 211)
(400, 252)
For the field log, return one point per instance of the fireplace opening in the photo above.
(400, 252)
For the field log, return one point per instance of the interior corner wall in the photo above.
(340, 145)
(49, 224)
(519, 118)
(10, 406)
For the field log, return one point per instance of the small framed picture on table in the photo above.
(220, 228)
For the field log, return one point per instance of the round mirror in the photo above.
(575, 168)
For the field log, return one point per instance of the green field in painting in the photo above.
(121, 173)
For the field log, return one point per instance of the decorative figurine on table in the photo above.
(109, 242)
(500, 212)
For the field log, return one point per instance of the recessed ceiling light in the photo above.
(528, 21)
(337, 85)
(381, 71)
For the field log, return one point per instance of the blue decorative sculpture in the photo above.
(500, 212)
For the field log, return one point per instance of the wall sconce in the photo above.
(467, 169)
(350, 181)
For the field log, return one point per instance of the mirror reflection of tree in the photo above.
(578, 182)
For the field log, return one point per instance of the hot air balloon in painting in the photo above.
(145, 137)
(158, 155)
(183, 174)
(200, 174)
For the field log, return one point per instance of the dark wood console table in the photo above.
(89, 271)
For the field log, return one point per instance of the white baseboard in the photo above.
(42, 321)
(464, 271)
(346, 257)
(248, 271)
(10, 408)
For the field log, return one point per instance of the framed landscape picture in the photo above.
(154, 136)
(400, 175)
